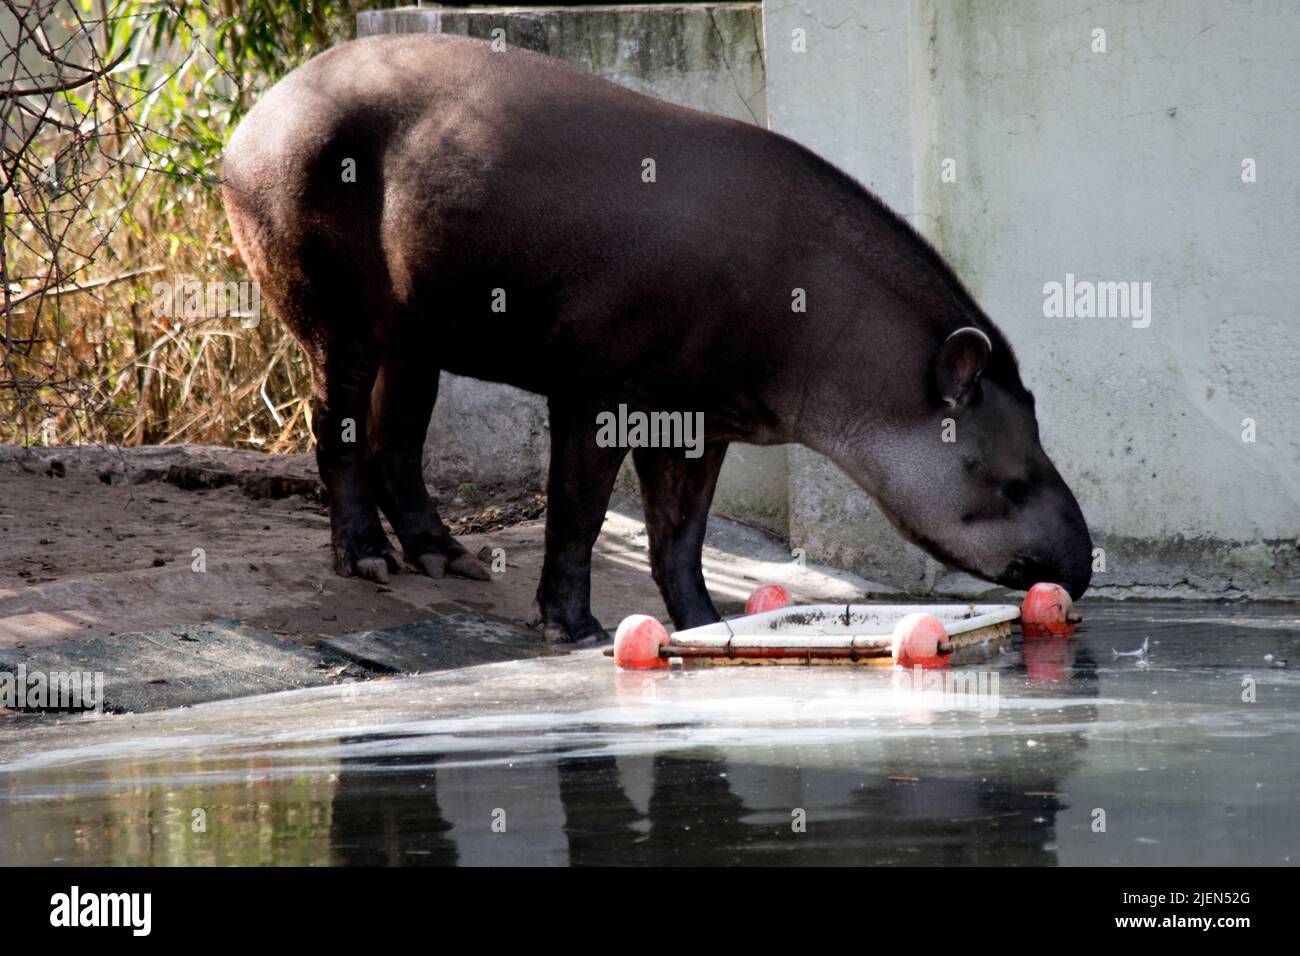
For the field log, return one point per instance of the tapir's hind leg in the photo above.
(677, 492)
(577, 494)
(400, 406)
(342, 383)
(323, 286)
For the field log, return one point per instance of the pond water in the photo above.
(1053, 753)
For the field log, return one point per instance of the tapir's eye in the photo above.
(1016, 491)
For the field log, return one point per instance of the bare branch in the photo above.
(66, 85)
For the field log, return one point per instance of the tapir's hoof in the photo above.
(588, 631)
(558, 634)
(468, 566)
(464, 565)
(371, 567)
(434, 565)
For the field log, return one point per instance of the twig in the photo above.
(74, 288)
(66, 85)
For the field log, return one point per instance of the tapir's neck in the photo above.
(880, 302)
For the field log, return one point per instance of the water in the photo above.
(1064, 754)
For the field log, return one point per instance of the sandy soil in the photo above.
(95, 542)
(98, 542)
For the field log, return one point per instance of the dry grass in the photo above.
(106, 368)
(108, 186)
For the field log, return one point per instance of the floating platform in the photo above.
(927, 635)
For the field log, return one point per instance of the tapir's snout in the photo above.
(1063, 558)
(1075, 552)
(1026, 571)
(1076, 582)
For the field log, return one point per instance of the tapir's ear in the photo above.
(962, 358)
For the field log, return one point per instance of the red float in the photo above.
(920, 640)
(767, 597)
(637, 643)
(1047, 611)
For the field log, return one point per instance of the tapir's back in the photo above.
(444, 171)
(445, 124)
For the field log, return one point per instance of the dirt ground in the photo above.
(95, 542)
(98, 542)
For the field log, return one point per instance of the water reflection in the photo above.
(139, 813)
(721, 768)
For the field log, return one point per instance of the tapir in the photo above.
(413, 204)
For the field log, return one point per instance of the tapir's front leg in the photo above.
(677, 492)
(577, 494)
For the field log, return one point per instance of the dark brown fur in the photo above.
(479, 171)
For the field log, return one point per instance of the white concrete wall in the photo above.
(1113, 166)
